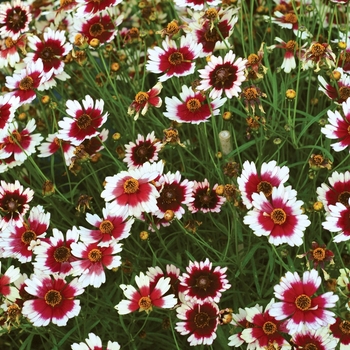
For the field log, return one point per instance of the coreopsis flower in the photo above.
(52, 145)
(193, 107)
(92, 261)
(173, 194)
(338, 127)
(14, 201)
(205, 198)
(84, 120)
(341, 91)
(250, 97)
(240, 322)
(54, 300)
(24, 83)
(18, 241)
(338, 190)
(94, 342)
(341, 330)
(265, 330)
(320, 339)
(7, 278)
(86, 8)
(319, 255)
(203, 283)
(223, 75)
(144, 149)
(338, 221)
(9, 48)
(197, 5)
(51, 50)
(143, 100)
(198, 320)
(102, 27)
(281, 218)
(134, 189)
(172, 60)
(318, 54)
(271, 175)
(147, 297)
(15, 17)
(53, 255)
(299, 307)
(114, 226)
(8, 106)
(213, 29)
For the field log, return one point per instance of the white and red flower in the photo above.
(203, 283)
(223, 75)
(92, 261)
(11, 275)
(291, 50)
(271, 175)
(134, 189)
(320, 339)
(173, 194)
(24, 82)
(54, 300)
(146, 298)
(142, 151)
(14, 201)
(18, 241)
(340, 330)
(9, 47)
(338, 127)
(53, 255)
(299, 307)
(197, 5)
(8, 106)
(15, 17)
(143, 100)
(198, 320)
(94, 342)
(281, 218)
(205, 198)
(192, 108)
(174, 61)
(84, 120)
(86, 8)
(114, 226)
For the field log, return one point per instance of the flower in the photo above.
(9, 55)
(142, 151)
(341, 330)
(203, 283)
(265, 330)
(173, 61)
(134, 189)
(8, 106)
(53, 255)
(280, 218)
(192, 108)
(146, 297)
(299, 306)
(114, 226)
(338, 191)
(271, 175)
(83, 122)
(291, 48)
(13, 202)
(173, 195)
(24, 82)
(94, 342)
(205, 199)
(86, 8)
(197, 5)
(11, 275)
(92, 260)
(19, 144)
(143, 100)
(320, 339)
(14, 19)
(338, 221)
(54, 300)
(319, 255)
(338, 127)
(198, 320)
(19, 240)
(318, 54)
(223, 75)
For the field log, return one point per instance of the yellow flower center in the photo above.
(303, 302)
(269, 328)
(145, 304)
(106, 227)
(26, 83)
(278, 216)
(193, 105)
(28, 236)
(131, 186)
(141, 97)
(176, 58)
(319, 254)
(318, 49)
(95, 255)
(62, 254)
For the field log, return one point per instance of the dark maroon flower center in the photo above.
(303, 302)
(176, 58)
(212, 35)
(344, 92)
(84, 121)
(202, 320)
(143, 152)
(53, 297)
(269, 328)
(28, 236)
(47, 54)
(344, 326)
(343, 198)
(223, 76)
(96, 29)
(62, 254)
(310, 346)
(264, 187)
(16, 19)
